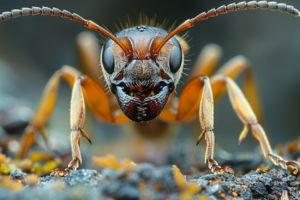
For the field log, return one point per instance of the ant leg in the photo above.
(234, 68)
(77, 121)
(86, 90)
(247, 116)
(41, 115)
(91, 91)
(89, 51)
(207, 61)
(205, 65)
(197, 94)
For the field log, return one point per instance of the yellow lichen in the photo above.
(49, 166)
(186, 196)
(37, 168)
(193, 187)
(111, 162)
(203, 197)
(6, 168)
(36, 156)
(186, 189)
(179, 178)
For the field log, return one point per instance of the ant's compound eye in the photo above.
(175, 56)
(108, 60)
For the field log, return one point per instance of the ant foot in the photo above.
(216, 168)
(227, 169)
(295, 165)
(59, 172)
(73, 165)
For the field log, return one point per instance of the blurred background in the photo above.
(33, 48)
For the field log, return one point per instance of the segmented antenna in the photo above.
(15, 13)
(229, 8)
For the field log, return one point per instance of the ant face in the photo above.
(143, 81)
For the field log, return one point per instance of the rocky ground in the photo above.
(148, 182)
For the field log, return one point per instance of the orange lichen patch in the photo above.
(17, 186)
(234, 194)
(11, 184)
(32, 179)
(244, 187)
(223, 196)
(6, 182)
(141, 186)
(157, 186)
(2, 158)
(187, 188)
(111, 162)
(215, 182)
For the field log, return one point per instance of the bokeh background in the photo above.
(33, 48)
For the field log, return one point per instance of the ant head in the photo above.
(143, 79)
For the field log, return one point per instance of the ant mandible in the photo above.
(142, 66)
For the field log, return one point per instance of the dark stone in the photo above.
(83, 177)
(144, 170)
(17, 174)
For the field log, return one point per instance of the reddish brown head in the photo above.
(143, 80)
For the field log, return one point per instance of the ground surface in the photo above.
(148, 182)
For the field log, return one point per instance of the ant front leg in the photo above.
(247, 116)
(197, 94)
(77, 121)
(85, 91)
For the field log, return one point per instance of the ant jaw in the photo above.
(143, 102)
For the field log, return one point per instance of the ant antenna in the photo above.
(282, 7)
(65, 14)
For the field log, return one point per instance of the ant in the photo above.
(142, 66)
